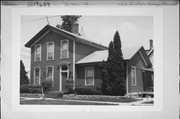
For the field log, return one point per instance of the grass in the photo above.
(58, 102)
(102, 98)
(99, 98)
(70, 99)
(30, 95)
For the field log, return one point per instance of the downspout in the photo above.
(127, 78)
(74, 64)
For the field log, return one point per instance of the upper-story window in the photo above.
(64, 49)
(37, 53)
(50, 51)
(89, 76)
(133, 76)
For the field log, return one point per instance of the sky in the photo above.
(135, 31)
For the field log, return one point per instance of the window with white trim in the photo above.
(37, 76)
(49, 74)
(50, 51)
(37, 53)
(133, 76)
(64, 49)
(89, 76)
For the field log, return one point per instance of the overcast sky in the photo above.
(134, 31)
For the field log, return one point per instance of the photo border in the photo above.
(156, 12)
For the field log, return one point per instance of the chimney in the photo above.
(75, 29)
(150, 44)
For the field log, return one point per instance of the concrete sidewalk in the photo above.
(136, 103)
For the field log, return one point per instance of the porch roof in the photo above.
(99, 56)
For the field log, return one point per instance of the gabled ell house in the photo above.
(57, 54)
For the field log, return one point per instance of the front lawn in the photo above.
(30, 95)
(102, 98)
(58, 102)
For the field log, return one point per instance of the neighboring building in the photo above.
(57, 54)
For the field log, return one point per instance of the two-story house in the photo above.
(57, 54)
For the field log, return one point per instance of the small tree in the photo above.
(23, 74)
(46, 85)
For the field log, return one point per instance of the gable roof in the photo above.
(71, 36)
(128, 53)
(99, 56)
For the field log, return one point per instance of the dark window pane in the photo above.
(64, 67)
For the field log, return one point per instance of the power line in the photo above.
(39, 19)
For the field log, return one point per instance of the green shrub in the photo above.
(69, 85)
(24, 89)
(47, 84)
(28, 88)
(150, 89)
(87, 91)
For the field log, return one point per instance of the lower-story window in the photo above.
(49, 72)
(89, 76)
(37, 76)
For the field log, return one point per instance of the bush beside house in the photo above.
(28, 88)
(69, 85)
(87, 91)
(46, 85)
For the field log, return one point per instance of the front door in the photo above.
(64, 72)
(64, 77)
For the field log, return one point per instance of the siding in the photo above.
(80, 75)
(136, 61)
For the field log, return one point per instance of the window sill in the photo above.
(37, 61)
(64, 58)
(89, 84)
(134, 85)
